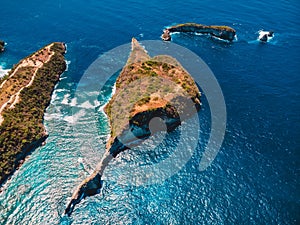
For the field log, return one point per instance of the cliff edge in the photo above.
(25, 93)
(146, 88)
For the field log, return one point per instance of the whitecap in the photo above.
(65, 101)
(62, 78)
(52, 116)
(67, 65)
(3, 71)
(114, 89)
(73, 102)
(74, 118)
(87, 105)
(66, 46)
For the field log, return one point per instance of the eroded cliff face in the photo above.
(25, 93)
(222, 32)
(146, 88)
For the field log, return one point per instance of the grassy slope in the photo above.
(147, 85)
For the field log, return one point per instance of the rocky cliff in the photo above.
(24, 95)
(146, 88)
(223, 32)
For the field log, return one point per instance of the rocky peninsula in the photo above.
(146, 88)
(222, 32)
(25, 93)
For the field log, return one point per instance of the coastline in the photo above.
(46, 64)
(35, 145)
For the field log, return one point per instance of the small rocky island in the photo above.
(222, 32)
(2, 43)
(25, 93)
(146, 88)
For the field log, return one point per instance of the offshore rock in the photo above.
(222, 32)
(2, 43)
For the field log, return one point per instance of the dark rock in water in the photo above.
(271, 34)
(166, 35)
(147, 88)
(89, 187)
(264, 38)
(2, 43)
(222, 32)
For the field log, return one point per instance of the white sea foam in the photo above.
(235, 38)
(60, 90)
(199, 34)
(87, 105)
(114, 89)
(65, 101)
(3, 72)
(67, 64)
(74, 118)
(262, 33)
(62, 78)
(66, 46)
(220, 39)
(52, 116)
(73, 102)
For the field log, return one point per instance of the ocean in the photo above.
(254, 178)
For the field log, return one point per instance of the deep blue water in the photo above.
(254, 178)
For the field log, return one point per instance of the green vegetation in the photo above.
(148, 85)
(22, 128)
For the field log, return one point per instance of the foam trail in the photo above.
(67, 64)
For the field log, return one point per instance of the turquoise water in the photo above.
(254, 178)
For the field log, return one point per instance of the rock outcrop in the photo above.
(222, 32)
(2, 43)
(265, 36)
(146, 88)
(25, 93)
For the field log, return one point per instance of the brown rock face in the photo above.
(223, 32)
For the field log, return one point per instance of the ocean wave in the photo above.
(87, 105)
(3, 71)
(65, 100)
(75, 117)
(68, 62)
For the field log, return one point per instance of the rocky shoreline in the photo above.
(146, 88)
(222, 32)
(25, 94)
